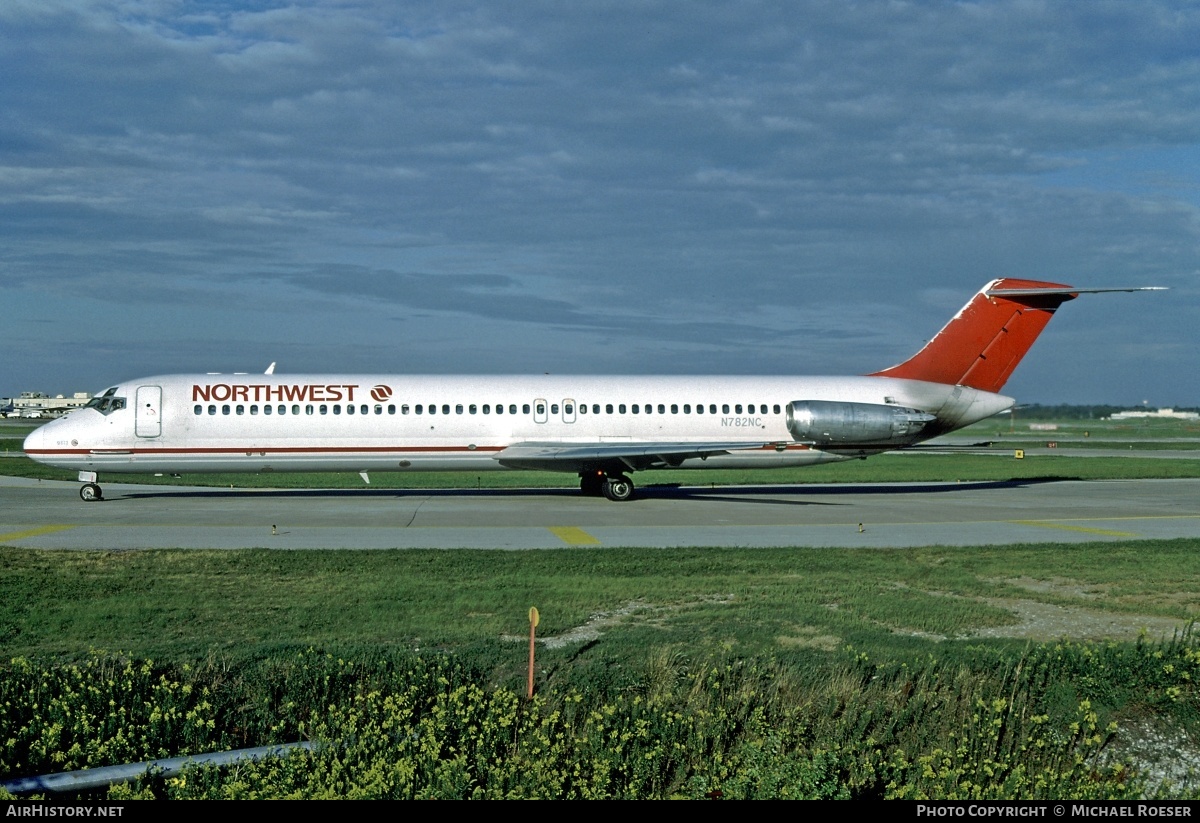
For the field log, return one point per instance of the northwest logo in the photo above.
(381, 393)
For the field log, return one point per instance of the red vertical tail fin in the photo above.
(986, 340)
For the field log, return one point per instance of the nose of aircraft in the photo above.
(35, 440)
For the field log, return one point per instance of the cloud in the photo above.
(672, 184)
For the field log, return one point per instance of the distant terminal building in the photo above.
(35, 404)
(1157, 414)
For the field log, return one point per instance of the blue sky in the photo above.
(606, 187)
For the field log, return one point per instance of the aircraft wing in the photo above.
(618, 455)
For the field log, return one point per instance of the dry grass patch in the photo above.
(809, 637)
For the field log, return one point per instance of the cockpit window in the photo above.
(107, 402)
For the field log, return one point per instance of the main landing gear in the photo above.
(613, 486)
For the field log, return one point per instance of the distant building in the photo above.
(1157, 414)
(36, 404)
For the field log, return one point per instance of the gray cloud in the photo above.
(748, 187)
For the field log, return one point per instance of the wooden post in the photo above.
(533, 622)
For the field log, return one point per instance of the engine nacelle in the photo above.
(829, 423)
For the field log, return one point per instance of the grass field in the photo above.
(1011, 671)
(176, 604)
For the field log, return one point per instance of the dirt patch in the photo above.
(635, 611)
(1046, 621)
(1061, 586)
(1040, 621)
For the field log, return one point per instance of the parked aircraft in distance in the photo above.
(602, 428)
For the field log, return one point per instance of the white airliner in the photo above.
(600, 427)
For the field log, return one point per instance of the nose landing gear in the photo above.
(90, 492)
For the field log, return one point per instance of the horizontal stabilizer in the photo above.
(1064, 290)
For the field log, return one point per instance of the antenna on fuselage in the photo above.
(270, 369)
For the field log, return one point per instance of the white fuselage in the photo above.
(257, 423)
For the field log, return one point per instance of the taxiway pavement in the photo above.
(50, 515)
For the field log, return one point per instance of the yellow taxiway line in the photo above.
(573, 536)
(40, 530)
(1085, 529)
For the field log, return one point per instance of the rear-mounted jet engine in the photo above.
(827, 423)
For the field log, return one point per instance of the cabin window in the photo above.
(554, 408)
(649, 409)
(776, 408)
(404, 408)
(674, 409)
(472, 409)
(524, 408)
(737, 409)
(267, 409)
(446, 408)
(699, 408)
(296, 409)
(308, 409)
(583, 408)
(432, 408)
(595, 408)
(225, 409)
(568, 409)
(687, 408)
(487, 409)
(712, 408)
(635, 408)
(337, 409)
(241, 409)
(281, 409)
(391, 409)
(212, 409)
(198, 409)
(621, 409)
(541, 408)
(254, 408)
(499, 408)
(324, 409)
(662, 409)
(608, 409)
(379, 409)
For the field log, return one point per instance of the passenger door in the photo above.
(148, 411)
